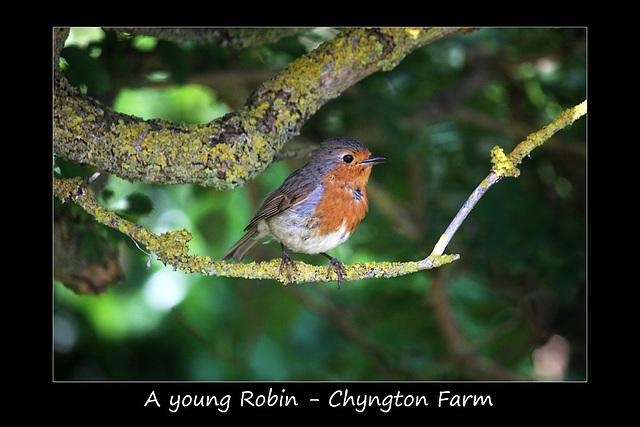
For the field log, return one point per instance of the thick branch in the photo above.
(235, 148)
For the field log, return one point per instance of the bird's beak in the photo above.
(373, 160)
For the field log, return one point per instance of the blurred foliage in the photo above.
(520, 281)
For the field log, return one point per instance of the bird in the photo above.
(317, 207)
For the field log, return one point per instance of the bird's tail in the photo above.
(242, 246)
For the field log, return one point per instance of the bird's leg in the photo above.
(287, 260)
(339, 268)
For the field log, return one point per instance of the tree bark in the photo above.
(237, 147)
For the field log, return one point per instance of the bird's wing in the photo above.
(294, 190)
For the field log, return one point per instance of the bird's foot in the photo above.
(339, 268)
(288, 261)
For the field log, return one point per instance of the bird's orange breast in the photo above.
(344, 201)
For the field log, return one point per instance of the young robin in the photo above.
(317, 207)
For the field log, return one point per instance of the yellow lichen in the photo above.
(502, 165)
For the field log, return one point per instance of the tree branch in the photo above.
(172, 248)
(506, 166)
(235, 148)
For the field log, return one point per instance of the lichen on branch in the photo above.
(504, 165)
(172, 248)
(235, 148)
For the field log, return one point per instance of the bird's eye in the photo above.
(348, 158)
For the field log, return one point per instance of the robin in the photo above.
(317, 207)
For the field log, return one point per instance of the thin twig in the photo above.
(505, 166)
(438, 249)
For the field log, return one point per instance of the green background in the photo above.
(513, 306)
